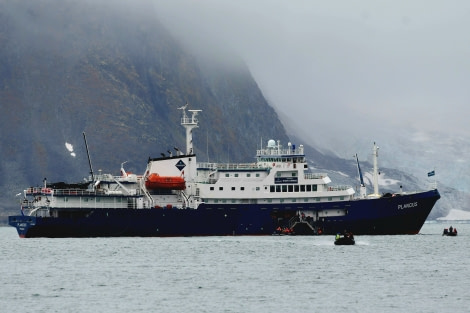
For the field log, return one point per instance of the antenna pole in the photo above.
(89, 160)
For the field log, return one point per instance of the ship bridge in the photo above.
(274, 154)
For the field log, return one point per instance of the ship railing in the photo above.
(89, 192)
(339, 188)
(189, 120)
(32, 207)
(76, 192)
(315, 175)
(110, 177)
(38, 191)
(278, 152)
(230, 166)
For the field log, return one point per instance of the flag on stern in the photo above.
(431, 173)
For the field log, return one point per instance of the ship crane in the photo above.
(362, 190)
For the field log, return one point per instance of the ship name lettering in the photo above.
(407, 205)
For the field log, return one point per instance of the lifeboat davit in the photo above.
(155, 181)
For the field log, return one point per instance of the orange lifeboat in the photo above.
(155, 181)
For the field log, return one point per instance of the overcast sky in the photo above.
(345, 69)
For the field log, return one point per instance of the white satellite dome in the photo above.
(271, 143)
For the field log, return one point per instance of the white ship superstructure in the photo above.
(279, 175)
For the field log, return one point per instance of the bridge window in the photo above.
(211, 188)
(278, 188)
(290, 188)
(257, 174)
(227, 175)
(248, 175)
(257, 188)
(284, 188)
(233, 188)
(302, 188)
(314, 187)
(296, 188)
(236, 175)
(309, 188)
(243, 188)
(272, 188)
(221, 188)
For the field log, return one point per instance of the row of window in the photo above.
(283, 160)
(279, 188)
(233, 188)
(237, 174)
(317, 199)
(278, 174)
(292, 188)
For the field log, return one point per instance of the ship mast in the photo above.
(189, 123)
(375, 155)
(89, 160)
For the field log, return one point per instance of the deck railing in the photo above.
(230, 166)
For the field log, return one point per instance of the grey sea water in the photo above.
(421, 273)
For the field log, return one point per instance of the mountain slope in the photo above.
(119, 76)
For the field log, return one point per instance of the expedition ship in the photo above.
(176, 196)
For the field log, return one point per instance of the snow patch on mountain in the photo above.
(456, 215)
(69, 147)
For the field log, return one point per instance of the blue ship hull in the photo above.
(401, 214)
